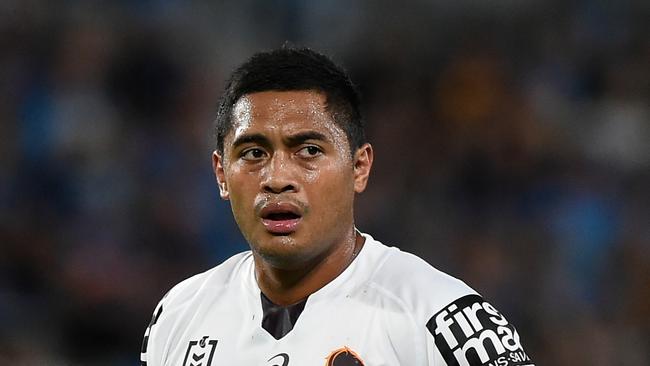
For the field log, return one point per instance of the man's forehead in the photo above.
(283, 110)
(280, 102)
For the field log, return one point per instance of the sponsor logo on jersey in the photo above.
(343, 357)
(279, 357)
(199, 353)
(470, 331)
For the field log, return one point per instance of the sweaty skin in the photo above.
(285, 155)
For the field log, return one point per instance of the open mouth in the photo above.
(282, 216)
(280, 219)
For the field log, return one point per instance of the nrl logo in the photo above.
(199, 353)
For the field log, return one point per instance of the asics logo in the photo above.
(285, 359)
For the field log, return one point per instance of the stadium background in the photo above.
(512, 150)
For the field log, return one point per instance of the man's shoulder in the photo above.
(466, 329)
(211, 281)
(420, 287)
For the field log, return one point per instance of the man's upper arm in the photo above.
(470, 331)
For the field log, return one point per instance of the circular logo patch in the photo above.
(344, 357)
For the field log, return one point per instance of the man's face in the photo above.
(289, 174)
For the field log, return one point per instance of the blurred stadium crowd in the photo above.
(512, 150)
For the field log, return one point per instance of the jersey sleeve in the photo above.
(148, 353)
(471, 332)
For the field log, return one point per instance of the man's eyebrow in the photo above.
(301, 137)
(256, 138)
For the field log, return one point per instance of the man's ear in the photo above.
(362, 164)
(217, 167)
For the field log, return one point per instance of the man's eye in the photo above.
(309, 151)
(253, 154)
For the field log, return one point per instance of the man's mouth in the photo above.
(281, 218)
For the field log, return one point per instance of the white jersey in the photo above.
(388, 308)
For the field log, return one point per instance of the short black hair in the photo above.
(291, 69)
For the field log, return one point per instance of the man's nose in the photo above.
(279, 175)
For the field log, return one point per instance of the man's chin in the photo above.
(282, 252)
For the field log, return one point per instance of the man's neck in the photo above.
(285, 287)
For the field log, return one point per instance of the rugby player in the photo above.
(291, 156)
